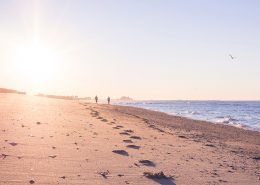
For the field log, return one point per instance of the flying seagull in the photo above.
(232, 57)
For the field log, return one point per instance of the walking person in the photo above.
(96, 98)
(108, 100)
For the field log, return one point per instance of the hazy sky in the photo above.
(145, 49)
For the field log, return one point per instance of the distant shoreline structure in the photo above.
(4, 90)
(63, 97)
(126, 98)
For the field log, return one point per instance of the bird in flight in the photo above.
(232, 57)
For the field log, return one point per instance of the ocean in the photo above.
(243, 114)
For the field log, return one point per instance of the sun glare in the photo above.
(36, 64)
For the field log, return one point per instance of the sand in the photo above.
(51, 141)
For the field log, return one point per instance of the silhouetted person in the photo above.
(96, 98)
(108, 100)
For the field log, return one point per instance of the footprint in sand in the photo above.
(104, 120)
(121, 152)
(13, 144)
(124, 133)
(135, 137)
(184, 137)
(129, 131)
(52, 156)
(133, 147)
(128, 141)
(210, 145)
(118, 127)
(147, 163)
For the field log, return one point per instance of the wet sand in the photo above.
(51, 141)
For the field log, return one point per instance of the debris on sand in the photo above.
(104, 174)
(147, 162)
(63, 177)
(256, 158)
(3, 156)
(159, 175)
(121, 152)
(31, 181)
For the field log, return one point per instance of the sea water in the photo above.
(244, 114)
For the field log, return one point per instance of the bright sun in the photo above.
(35, 63)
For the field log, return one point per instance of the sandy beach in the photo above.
(52, 141)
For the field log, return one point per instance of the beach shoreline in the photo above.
(236, 124)
(54, 141)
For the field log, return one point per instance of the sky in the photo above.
(145, 49)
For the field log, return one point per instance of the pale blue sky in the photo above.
(143, 49)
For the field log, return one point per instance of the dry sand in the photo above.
(49, 141)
